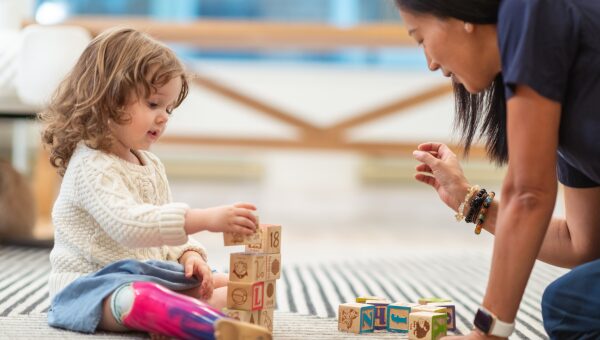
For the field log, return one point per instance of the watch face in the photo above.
(483, 321)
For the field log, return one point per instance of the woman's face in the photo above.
(468, 53)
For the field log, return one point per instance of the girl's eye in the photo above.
(153, 105)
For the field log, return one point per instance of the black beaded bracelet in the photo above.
(475, 206)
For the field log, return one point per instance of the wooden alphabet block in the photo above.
(380, 320)
(273, 266)
(236, 239)
(245, 296)
(356, 318)
(429, 308)
(426, 325)
(247, 267)
(397, 316)
(364, 298)
(252, 317)
(450, 311)
(270, 241)
(424, 301)
(270, 295)
(266, 319)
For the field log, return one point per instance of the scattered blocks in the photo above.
(363, 299)
(356, 318)
(397, 316)
(426, 325)
(380, 320)
(424, 301)
(450, 311)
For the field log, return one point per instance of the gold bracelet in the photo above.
(461, 208)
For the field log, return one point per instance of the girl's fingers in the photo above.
(241, 230)
(189, 269)
(247, 214)
(245, 222)
(245, 205)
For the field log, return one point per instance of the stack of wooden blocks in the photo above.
(429, 319)
(253, 274)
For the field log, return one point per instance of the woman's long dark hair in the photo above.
(481, 115)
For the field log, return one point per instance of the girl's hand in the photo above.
(443, 172)
(194, 265)
(237, 218)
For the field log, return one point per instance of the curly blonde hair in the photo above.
(118, 64)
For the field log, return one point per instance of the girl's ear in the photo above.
(469, 27)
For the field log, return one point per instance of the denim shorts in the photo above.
(78, 307)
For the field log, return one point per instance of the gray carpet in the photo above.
(308, 294)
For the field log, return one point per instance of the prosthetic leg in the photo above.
(149, 307)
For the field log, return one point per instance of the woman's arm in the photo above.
(529, 193)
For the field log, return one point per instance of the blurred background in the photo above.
(309, 109)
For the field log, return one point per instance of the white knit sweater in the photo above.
(109, 209)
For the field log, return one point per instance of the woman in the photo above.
(527, 80)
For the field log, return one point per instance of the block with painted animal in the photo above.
(247, 267)
(356, 318)
(450, 311)
(269, 242)
(380, 321)
(245, 295)
(426, 325)
(397, 316)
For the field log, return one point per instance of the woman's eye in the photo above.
(420, 42)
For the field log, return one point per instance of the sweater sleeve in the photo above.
(107, 198)
(175, 252)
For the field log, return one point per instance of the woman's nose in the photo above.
(432, 65)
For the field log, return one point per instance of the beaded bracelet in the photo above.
(461, 208)
(476, 204)
(481, 218)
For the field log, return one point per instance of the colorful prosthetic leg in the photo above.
(152, 308)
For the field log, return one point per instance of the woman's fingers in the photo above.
(423, 168)
(430, 180)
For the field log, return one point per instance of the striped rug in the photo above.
(318, 288)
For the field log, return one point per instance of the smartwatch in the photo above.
(489, 324)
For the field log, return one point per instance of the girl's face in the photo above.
(468, 53)
(149, 117)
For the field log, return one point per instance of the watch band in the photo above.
(489, 324)
(501, 328)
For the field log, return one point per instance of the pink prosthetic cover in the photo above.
(156, 309)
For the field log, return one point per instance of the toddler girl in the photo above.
(121, 245)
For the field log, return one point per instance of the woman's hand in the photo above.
(194, 265)
(474, 335)
(440, 168)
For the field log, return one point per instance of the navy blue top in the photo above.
(553, 46)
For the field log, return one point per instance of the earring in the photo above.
(469, 27)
